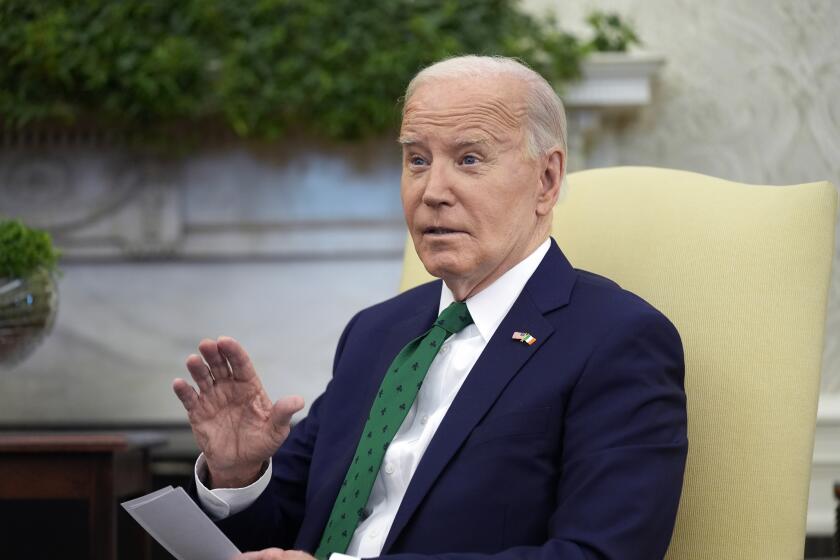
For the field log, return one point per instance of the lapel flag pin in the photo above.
(524, 337)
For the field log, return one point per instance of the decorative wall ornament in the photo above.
(613, 88)
(62, 189)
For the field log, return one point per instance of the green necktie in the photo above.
(396, 395)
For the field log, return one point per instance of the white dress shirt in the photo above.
(442, 382)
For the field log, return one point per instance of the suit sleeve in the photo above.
(623, 452)
(274, 519)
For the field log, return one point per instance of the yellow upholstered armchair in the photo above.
(743, 272)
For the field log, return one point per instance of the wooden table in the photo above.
(94, 468)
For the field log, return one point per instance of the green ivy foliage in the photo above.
(611, 33)
(335, 68)
(24, 250)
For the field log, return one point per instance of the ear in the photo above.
(550, 180)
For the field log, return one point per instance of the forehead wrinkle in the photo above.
(493, 110)
(472, 127)
(471, 131)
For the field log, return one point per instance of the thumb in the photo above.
(284, 409)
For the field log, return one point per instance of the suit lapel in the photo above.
(547, 289)
(390, 343)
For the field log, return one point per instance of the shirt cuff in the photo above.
(340, 556)
(224, 502)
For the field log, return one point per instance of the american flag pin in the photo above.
(524, 337)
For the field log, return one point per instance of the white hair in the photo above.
(546, 123)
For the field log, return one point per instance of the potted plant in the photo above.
(28, 290)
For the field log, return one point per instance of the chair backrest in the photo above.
(743, 272)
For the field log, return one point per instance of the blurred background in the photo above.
(228, 167)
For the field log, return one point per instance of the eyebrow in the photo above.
(471, 141)
(459, 142)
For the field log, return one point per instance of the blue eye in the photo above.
(416, 160)
(469, 160)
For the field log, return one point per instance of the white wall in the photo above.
(124, 330)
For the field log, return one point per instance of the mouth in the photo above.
(440, 231)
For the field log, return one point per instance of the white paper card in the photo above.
(179, 525)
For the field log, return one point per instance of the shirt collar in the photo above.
(489, 306)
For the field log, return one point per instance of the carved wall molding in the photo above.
(224, 202)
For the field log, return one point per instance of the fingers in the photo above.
(200, 373)
(240, 364)
(216, 362)
(185, 393)
(222, 359)
(284, 409)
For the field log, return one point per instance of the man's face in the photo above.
(470, 192)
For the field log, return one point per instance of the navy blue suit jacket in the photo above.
(573, 447)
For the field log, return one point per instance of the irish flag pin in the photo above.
(524, 337)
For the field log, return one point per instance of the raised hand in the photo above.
(234, 422)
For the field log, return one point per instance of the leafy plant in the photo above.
(332, 68)
(611, 33)
(25, 250)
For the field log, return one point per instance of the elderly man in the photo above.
(518, 408)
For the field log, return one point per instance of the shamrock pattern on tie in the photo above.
(396, 394)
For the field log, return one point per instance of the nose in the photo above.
(438, 189)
